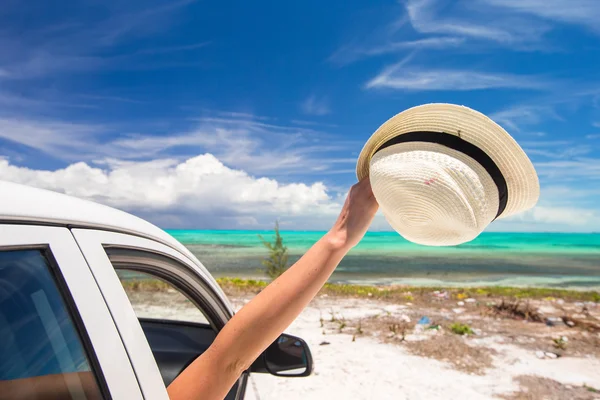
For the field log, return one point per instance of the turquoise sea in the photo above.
(569, 260)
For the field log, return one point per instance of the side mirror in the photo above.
(288, 356)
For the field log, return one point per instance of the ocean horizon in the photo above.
(559, 260)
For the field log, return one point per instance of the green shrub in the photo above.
(276, 263)
(591, 389)
(250, 284)
(145, 285)
(461, 329)
(560, 343)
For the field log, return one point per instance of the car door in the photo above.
(58, 339)
(167, 336)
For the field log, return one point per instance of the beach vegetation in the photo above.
(359, 329)
(591, 389)
(145, 285)
(398, 331)
(461, 329)
(276, 263)
(332, 316)
(391, 292)
(560, 343)
(517, 309)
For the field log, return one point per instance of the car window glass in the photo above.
(41, 352)
(155, 298)
(174, 342)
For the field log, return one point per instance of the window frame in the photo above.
(187, 275)
(175, 274)
(84, 302)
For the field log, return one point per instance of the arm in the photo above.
(262, 320)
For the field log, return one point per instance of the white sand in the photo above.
(368, 369)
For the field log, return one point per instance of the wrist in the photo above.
(336, 241)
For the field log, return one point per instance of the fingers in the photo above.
(365, 189)
(363, 186)
(365, 182)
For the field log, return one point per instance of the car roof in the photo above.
(25, 204)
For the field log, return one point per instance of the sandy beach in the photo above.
(365, 347)
(376, 365)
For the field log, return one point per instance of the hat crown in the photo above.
(431, 194)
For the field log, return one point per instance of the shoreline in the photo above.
(463, 268)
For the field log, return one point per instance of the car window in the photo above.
(188, 331)
(41, 351)
(152, 297)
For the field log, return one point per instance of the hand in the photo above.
(356, 216)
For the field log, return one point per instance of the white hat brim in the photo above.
(474, 127)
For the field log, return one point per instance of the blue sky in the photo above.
(229, 115)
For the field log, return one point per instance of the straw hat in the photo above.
(442, 172)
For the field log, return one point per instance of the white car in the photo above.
(67, 327)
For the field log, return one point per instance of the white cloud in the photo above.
(415, 78)
(593, 136)
(537, 134)
(350, 53)
(117, 99)
(563, 152)
(464, 19)
(563, 215)
(133, 19)
(551, 219)
(241, 141)
(513, 117)
(581, 12)
(443, 24)
(516, 116)
(596, 124)
(562, 208)
(201, 191)
(312, 123)
(43, 63)
(314, 105)
(52, 137)
(583, 196)
(425, 43)
(546, 143)
(245, 143)
(241, 115)
(423, 19)
(61, 46)
(172, 49)
(583, 170)
(11, 101)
